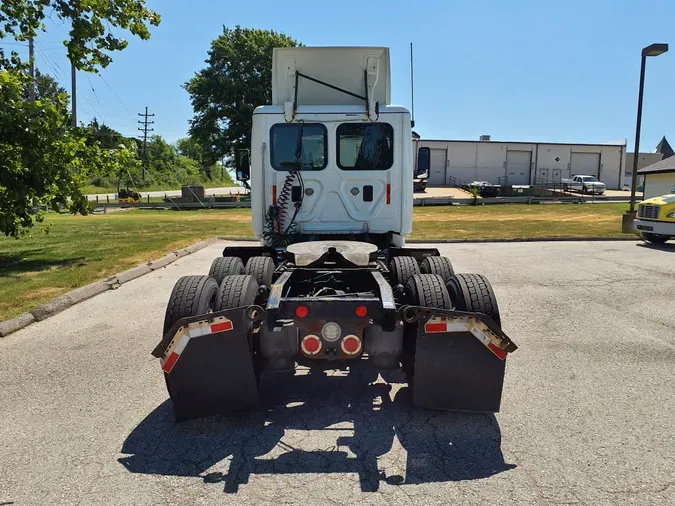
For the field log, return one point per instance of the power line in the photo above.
(96, 96)
(113, 92)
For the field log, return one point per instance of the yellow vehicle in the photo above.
(656, 218)
(124, 196)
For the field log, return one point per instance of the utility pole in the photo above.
(31, 56)
(145, 131)
(73, 94)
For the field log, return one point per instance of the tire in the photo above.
(438, 265)
(473, 293)
(226, 266)
(191, 296)
(236, 291)
(427, 290)
(402, 268)
(262, 270)
(655, 238)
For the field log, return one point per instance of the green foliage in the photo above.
(46, 88)
(224, 94)
(43, 159)
(42, 162)
(92, 21)
(475, 192)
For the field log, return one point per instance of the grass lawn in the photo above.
(518, 221)
(81, 249)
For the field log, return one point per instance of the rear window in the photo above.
(365, 146)
(303, 142)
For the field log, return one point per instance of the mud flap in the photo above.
(459, 361)
(208, 363)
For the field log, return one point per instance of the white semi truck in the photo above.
(331, 284)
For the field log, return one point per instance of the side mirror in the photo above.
(243, 165)
(423, 161)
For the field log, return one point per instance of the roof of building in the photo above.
(612, 143)
(664, 148)
(665, 165)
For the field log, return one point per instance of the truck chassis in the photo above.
(325, 304)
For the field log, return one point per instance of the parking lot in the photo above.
(586, 416)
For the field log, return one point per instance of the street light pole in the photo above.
(638, 125)
(651, 50)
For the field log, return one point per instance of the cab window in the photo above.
(293, 143)
(365, 146)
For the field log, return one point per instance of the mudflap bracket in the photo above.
(208, 362)
(459, 359)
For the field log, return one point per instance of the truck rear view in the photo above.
(331, 284)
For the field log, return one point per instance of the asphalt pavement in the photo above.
(587, 413)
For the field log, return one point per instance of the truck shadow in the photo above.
(669, 246)
(441, 446)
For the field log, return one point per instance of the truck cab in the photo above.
(331, 158)
(656, 218)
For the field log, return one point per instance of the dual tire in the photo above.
(229, 284)
(261, 268)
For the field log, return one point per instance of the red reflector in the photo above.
(497, 351)
(301, 311)
(388, 193)
(221, 327)
(274, 195)
(170, 362)
(311, 344)
(351, 345)
(435, 327)
(361, 311)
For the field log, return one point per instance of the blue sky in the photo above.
(564, 71)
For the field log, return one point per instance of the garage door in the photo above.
(518, 167)
(587, 164)
(437, 167)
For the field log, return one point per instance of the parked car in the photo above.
(584, 184)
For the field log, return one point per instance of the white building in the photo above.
(659, 178)
(522, 163)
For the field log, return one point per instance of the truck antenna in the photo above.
(412, 89)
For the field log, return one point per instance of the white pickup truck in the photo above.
(584, 184)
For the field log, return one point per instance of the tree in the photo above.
(236, 80)
(91, 35)
(41, 162)
(46, 88)
(43, 159)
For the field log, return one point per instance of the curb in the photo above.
(83, 293)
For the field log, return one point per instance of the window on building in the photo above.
(291, 143)
(365, 146)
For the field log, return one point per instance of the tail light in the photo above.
(351, 345)
(311, 344)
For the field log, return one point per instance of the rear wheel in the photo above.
(191, 296)
(262, 270)
(473, 293)
(426, 290)
(236, 291)
(402, 268)
(226, 266)
(655, 238)
(438, 265)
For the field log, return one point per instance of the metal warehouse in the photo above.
(522, 163)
